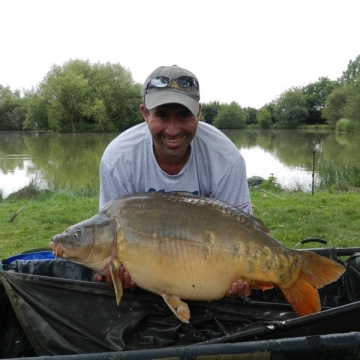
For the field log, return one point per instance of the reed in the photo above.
(338, 176)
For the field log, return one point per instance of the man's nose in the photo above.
(173, 127)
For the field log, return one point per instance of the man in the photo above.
(173, 151)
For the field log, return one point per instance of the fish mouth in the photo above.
(57, 251)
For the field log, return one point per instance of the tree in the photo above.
(36, 110)
(114, 88)
(250, 115)
(334, 105)
(230, 117)
(12, 112)
(209, 111)
(264, 118)
(79, 94)
(67, 92)
(315, 96)
(351, 74)
(351, 109)
(290, 110)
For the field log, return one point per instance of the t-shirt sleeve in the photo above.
(233, 187)
(110, 185)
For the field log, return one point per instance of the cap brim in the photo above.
(162, 97)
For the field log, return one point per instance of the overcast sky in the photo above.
(244, 51)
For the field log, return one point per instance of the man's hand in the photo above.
(239, 288)
(124, 276)
(125, 279)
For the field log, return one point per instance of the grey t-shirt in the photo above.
(215, 167)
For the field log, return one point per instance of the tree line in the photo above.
(80, 96)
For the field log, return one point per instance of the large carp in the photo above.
(183, 246)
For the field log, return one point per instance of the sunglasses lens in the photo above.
(185, 81)
(160, 81)
(182, 81)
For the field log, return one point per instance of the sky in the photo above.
(248, 51)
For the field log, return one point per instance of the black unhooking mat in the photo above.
(53, 307)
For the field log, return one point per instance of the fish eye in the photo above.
(76, 234)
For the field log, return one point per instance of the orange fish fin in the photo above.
(261, 286)
(178, 307)
(114, 268)
(302, 297)
(316, 271)
(319, 270)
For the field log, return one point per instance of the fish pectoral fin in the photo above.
(178, 307)
(261, 286)
(114, 268)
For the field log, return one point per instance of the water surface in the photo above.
(71, 161)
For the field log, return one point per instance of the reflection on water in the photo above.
(71, 161)
(67, 161)
(262, 163)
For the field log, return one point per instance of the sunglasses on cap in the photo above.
(164, 81)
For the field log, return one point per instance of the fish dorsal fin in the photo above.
(237, 214)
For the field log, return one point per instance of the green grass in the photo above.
(42, 218)
(332, 216)
(290, 216)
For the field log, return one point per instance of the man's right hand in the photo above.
(124, 276)
(239, 288)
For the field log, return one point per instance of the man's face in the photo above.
(172, 127)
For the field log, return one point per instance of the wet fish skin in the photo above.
(183, 246)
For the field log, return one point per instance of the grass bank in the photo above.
(291, 216)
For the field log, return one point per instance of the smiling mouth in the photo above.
(174, 141)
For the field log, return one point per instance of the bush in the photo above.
(230, 117)
(345, 125)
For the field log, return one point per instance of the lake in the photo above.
(71, 161)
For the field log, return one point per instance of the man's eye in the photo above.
(184, 115)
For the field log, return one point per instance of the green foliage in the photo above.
(334, 104)
(291, 110)
(351, 110)
(352, 73)
(264, 118)
(271, 184)
(12, 112)
(344, 102)
(345, 125)
(250, 115)
(36, 111)
(230, 117)
(103, 96)
(315, 96)
(209, 111)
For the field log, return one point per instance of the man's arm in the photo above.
(233, 187)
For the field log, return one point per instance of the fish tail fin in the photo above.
(316, 271)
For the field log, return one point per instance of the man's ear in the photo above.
(199, 113)
(144, 112)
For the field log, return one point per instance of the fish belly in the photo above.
(193, 248)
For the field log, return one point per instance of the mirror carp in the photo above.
(183, 246)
